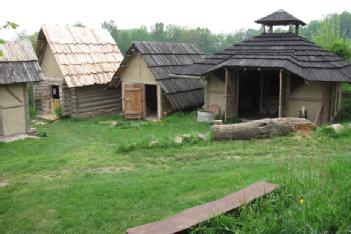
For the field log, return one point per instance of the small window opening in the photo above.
(55, 92)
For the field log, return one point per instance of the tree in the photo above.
(8, 24)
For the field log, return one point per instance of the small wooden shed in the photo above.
(77, 63)
(274, 75)
(148, 88)
(18, 66)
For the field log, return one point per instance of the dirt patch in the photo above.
(110, 170)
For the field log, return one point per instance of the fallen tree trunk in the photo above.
(263, 128)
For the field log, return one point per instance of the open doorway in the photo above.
(151, 101)
(55, 98)
(249, 94)
(258, 94)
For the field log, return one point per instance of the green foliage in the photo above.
(8, 24)
(332, 33)
(59, 111)
(202, 37)
(74, 181)
(309, 201)
(326, 132)
(79, 24)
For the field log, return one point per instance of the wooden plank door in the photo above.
(133, 101)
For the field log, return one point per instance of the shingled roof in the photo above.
(85, 56)
(282, 51)
(163, 59)
(19, 63)
(280, 17)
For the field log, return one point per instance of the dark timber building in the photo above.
(274, 75)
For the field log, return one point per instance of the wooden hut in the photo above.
(148, 89)
(77, 63)
(18, 66)
(274, 75)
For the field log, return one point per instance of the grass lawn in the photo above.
(90, 177)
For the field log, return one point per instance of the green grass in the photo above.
(78, 180)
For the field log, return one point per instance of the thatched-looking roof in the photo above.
(19, 63)
(280, 17)
(163, 59)
(85, 56)
(282, 51)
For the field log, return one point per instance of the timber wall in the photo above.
(94, 100)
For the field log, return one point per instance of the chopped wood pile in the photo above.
(264, 128)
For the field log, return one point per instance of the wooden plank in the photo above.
(198, 214)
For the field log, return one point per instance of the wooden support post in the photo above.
(261, 91)
(287, 94)
(226, 80)
(26, 106)
(280, 106)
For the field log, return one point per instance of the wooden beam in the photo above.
(280, 106)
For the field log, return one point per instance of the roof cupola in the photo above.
(280, 18)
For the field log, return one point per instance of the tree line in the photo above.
(333, 32)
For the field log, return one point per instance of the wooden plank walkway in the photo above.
(198, 214)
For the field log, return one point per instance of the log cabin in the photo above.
(148, 88)
(274, 75)
(18, 66)
(77, 63)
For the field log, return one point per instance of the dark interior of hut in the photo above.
(151, 100)
(258, 99)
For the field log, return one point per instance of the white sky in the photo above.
(220, 16)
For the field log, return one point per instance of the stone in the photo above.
(114, 123)
(3, 184)
(337, 127)
(203, 136)
(178, 140)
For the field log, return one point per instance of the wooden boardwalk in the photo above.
(198, 214)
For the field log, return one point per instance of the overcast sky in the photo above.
(220, 16)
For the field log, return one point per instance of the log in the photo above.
(264, 128)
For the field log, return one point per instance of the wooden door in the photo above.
(133, 101)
